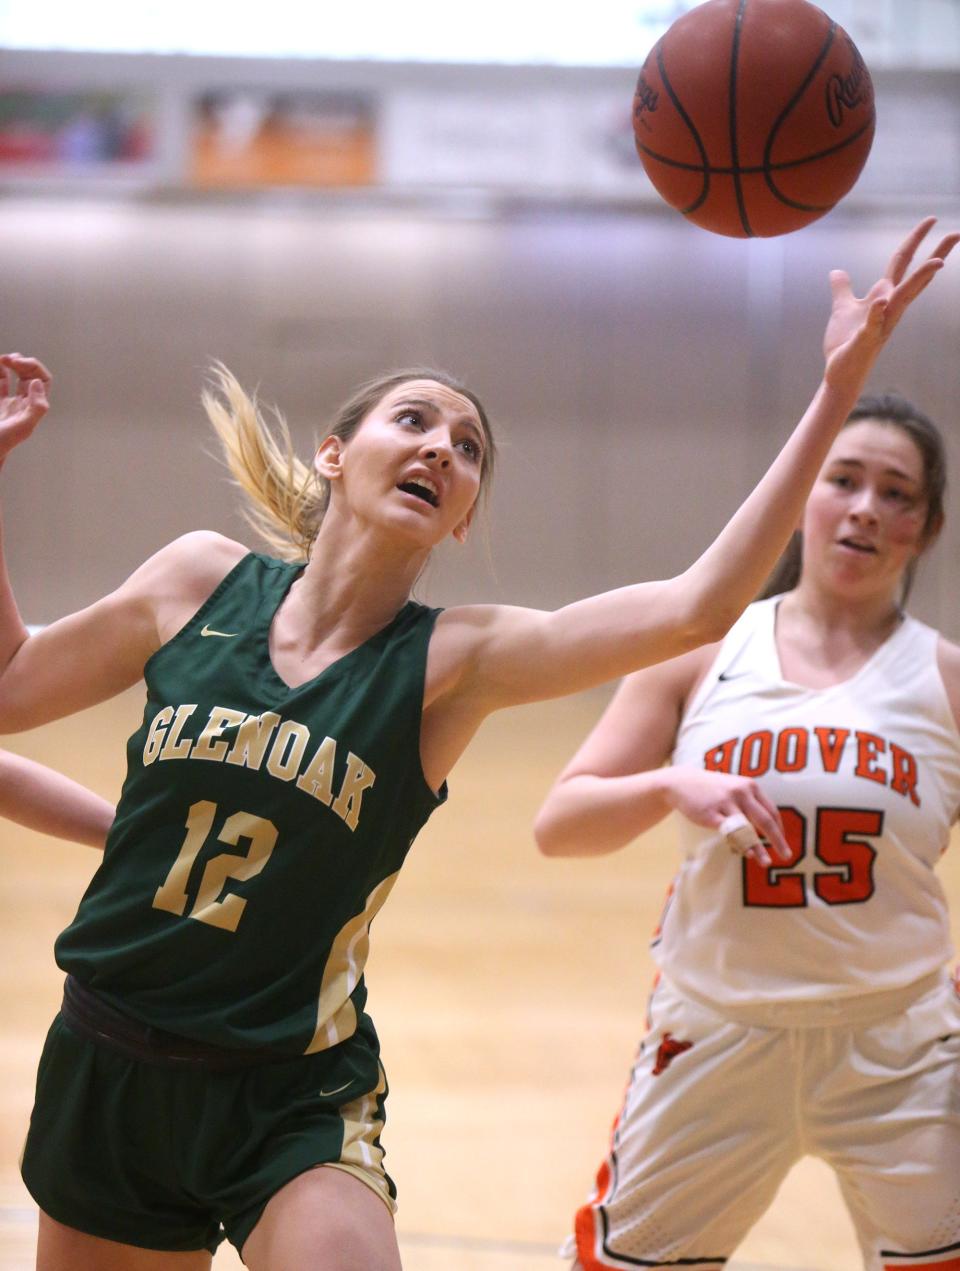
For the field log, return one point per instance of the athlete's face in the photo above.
(413, 465)
(864, 519)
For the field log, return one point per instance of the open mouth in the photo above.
(421, 490)
(867, 549)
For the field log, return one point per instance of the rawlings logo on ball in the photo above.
(646, 97)
(847, 92)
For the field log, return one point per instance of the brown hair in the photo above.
(286, 499)
(896, 411)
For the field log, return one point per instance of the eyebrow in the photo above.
(887, 472)
(427, 404)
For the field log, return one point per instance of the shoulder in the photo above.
(457, 636)
(948, 662)
(178, 578)
(203, 549)
(200, 558)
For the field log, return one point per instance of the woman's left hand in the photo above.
(859, 327)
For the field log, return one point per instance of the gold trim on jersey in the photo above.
(336, 1014)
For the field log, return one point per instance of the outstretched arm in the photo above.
(498, 656)
(96, 653)
(41, 799)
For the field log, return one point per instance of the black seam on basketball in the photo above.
(815, 207)
(732, 119)
(783, 166)
(778, 123)
(704, 168)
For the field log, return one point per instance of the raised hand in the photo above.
(859, 327)
(24, 399)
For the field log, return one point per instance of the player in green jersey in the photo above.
(301, 720)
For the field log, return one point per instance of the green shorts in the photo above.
(172, 1159)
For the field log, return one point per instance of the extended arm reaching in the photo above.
(93, 654)
(516, 655)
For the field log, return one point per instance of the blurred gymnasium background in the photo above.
(312, 200)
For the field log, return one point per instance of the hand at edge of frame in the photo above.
(859, 327)
(24, 399)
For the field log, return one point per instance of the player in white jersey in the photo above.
(803, 1005)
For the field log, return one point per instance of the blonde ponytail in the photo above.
(285, 500)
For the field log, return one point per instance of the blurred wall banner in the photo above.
(93, 132)
(248, 138)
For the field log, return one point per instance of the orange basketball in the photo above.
(754, 117)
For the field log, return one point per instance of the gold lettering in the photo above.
(359, 778)
(221, 717)
(156, 735)
(173, 747)
(287, 750)
(317, 777)
(225, 911)
(253, 738)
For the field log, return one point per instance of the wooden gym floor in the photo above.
(508, 990)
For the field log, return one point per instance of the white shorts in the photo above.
(718, 1110)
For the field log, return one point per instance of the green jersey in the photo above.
(260, 828)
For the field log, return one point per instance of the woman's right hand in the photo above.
(24, 399)
(709, 798)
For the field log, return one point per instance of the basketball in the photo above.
(754, 117)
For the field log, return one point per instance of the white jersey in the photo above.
(867, 777)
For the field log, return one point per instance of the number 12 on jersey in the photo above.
(209, 904)
(839, 841)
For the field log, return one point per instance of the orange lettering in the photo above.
(832, 742)
(792, 750)
(755, 755)
(868, 747)
(720, 758)
(904, 779)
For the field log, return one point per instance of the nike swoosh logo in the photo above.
(327, 1094)
(226, 635)
(737, 675)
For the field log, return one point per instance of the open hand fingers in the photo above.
(901, 258)
(904, 294)
(840, 285)
(945, 246)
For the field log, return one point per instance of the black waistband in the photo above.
(88, 1014)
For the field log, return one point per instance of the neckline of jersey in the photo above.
(286, 582)
(879, 654)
